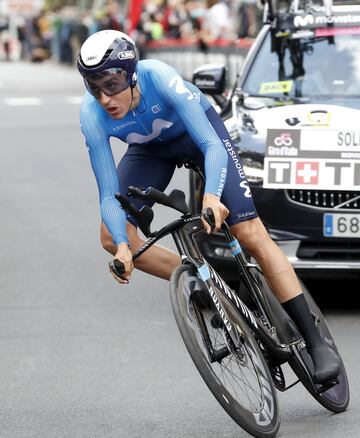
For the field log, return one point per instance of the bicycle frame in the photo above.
(184, 232)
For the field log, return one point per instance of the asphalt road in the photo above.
(81, 356)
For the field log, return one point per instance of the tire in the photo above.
(253, 406)
(335, 399)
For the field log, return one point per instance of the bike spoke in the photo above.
(232, 374)
(241, 384)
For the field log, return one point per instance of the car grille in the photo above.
(345, 251)
(339, 199)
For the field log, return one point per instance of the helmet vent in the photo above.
(106, 55)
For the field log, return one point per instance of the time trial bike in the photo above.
(241, 339)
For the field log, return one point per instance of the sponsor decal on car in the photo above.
(283, 143)
(319, 118)
(314, 20)
(276, 87)
(310, 158)
(313, 118)
(332, 31)
(302, 33)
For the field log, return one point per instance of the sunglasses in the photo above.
(111, 81)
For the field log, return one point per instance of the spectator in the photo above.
(248, 19)
(218, 23)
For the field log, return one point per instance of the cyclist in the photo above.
(165, 120)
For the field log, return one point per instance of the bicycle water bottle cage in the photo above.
(143, 217)
(175, 200)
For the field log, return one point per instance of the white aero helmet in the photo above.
(108, 49)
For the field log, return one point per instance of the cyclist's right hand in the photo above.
(124, 255)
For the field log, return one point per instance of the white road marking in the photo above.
(22, 101)
(74, 100)
(31, 101)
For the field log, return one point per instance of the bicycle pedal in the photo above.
(327, 385)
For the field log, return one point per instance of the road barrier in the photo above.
(186, 56)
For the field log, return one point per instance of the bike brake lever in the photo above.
(208, 215)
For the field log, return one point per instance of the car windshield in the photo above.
(324, 66)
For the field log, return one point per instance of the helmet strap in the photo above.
(132, 98)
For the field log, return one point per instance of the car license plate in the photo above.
(341, 225)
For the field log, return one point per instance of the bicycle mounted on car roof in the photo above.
(228, 332)
(277, 7)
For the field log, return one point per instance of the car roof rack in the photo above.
(274, 9)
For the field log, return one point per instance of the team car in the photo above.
(294, 115)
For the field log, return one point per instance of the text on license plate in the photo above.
(341, 225)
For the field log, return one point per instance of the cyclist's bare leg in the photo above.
(275, 266)
(284, 283)
(157, 260)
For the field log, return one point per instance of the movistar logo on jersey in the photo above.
(157, 126)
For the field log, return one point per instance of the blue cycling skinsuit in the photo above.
(174, 121)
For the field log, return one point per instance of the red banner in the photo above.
(134, 12)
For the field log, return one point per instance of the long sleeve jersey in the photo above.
(169, 107)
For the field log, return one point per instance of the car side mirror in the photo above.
(210, 78)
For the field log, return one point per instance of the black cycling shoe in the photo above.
(326, 364)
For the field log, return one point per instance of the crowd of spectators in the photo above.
(59, 33)
(212, 19)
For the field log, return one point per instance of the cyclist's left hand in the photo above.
(220, 211)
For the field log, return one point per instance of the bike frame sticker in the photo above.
(204, 272)
(235, 247)
(215, 280)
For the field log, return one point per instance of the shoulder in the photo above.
(154, 70)
(90, 108)
(88, 105)
(91, 114)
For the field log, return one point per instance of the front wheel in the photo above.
(238, 377)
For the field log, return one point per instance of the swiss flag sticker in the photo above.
(307, 172)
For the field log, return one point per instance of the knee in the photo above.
(253, 236)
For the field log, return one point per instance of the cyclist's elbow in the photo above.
(107, 240)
